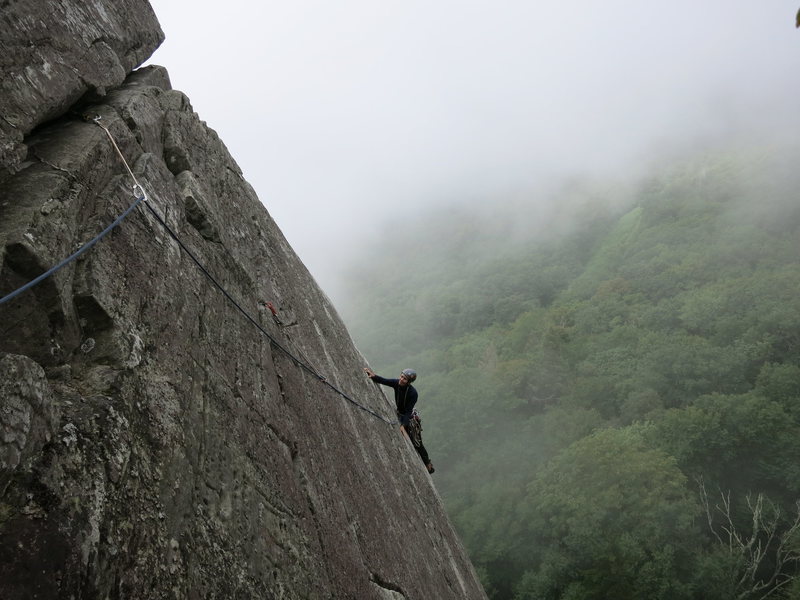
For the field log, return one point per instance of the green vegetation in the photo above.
(613, 401)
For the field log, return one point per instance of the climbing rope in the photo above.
(97, 122)
(138, 193)
(297, 361)
(141, 198)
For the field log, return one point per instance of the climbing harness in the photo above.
(415, 428)
(141, 198)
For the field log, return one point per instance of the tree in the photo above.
(736, 443)
(614, 518)
(765, 555)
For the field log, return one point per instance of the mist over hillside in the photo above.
(354, 116)
(599, 364)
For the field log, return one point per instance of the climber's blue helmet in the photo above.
(410, 374)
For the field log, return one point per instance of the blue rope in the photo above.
(140, 195)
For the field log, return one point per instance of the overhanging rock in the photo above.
(155, 442)
(53, 53)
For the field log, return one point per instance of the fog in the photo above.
(356, 117)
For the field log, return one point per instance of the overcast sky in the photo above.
(355, 115)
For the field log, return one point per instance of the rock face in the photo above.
(156, 442)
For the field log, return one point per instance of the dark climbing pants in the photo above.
(415, 433)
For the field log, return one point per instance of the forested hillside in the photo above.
(610, 386)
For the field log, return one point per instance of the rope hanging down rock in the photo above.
(138, 193)
(297, 361)
(141, 197)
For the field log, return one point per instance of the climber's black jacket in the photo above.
(405, 397)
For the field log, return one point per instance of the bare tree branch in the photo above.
(766, 544)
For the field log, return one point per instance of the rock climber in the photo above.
(405, 398)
